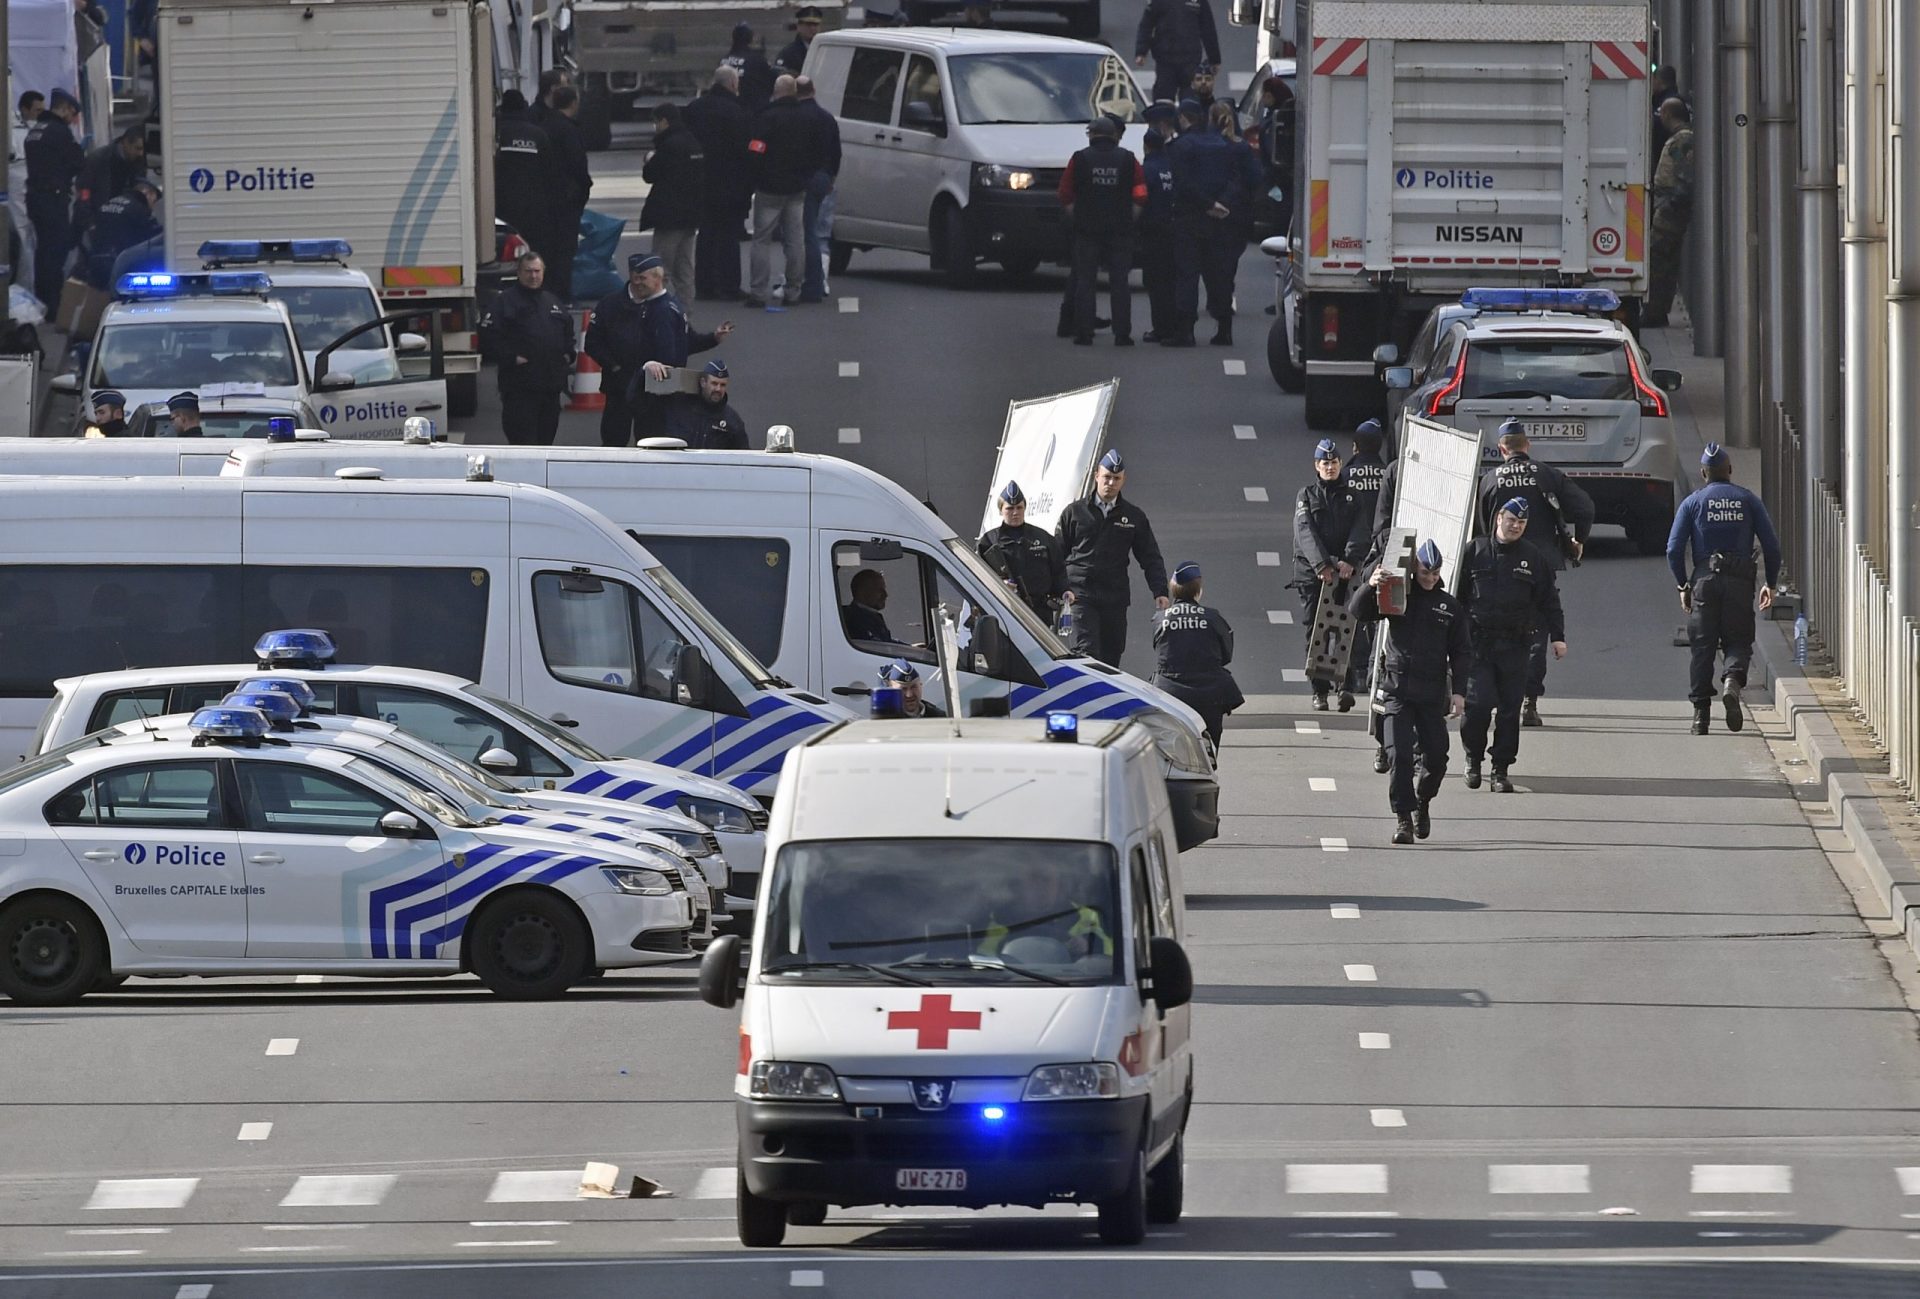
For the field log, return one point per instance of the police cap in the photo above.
(1516, 506)
(1012, 495)
(109, 397)
(1203, 69)
(1104, 127)
(184, 401)
(1713, 454)
(807, 14)
(1428, 556)
(643, 262)
(1192, 108)
(717, 368)
(1187, 572)
(899, 670)
(1113, 462)
(61, 99)
(1513, 430)
(1161, 110)
(1326, 450)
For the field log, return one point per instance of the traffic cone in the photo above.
(586, 374)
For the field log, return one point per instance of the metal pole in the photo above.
(1676, 44)
(1733, 118)
(6, 207)
(1777, 215)
(1819, 129)
(1903, 313)
(1705, 286)
(1863, 251)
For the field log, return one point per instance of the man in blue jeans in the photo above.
(818, 214)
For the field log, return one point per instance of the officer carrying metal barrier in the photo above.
(1098, 534)
(1428, 657)
(1718, 525)
(1507, 585)
(1027, 558)
(1323, 531)
(1194, 645)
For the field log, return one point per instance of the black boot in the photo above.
(1403, 828)
(1702, 717)
(1530, 712)
(1223, 336)
(1473, 773)
(1380, 761)
(1500, 784)
(1730, 696)
(1178, 338)
(1423, 819)
(1346, 701)
(1319, 701)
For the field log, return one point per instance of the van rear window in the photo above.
(1584, 370)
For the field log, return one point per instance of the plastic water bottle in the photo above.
(1066, 622)
(1800, 640)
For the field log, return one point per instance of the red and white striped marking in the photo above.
(1342, 56)
(1619, 60)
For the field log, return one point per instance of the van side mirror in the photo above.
(1386, 354)
(992, 651)
(69, 383)
(500, 760)
(1398, 376)
(1169, 977)
(693, 678)
(411, 343)
(1278, 247)
(921, 116)
(721, 978)
(1667, 380)
(333, 381)
(399, 825)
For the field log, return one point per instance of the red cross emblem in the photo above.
(933, 1021)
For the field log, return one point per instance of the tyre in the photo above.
(1289, 376)
(762, 1223)
(1167, 1185)
(839, 256)
(1123, 1219)
(108, 982)
(806, 1215)
(1020, 266)
(51, 951)
(463, 395)
(956, 251)
(529, 946)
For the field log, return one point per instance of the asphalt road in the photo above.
(1620, 1033)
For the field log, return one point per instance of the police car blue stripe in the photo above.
(667, 798)
(381, 898)
(757, 745)
(687, 751)
(434, 939)
(1125, 708)
(1074, 700)
(591, 781)
(626, 790)
(404, 921)
(560, 870)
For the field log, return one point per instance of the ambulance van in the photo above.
(527, 592)
(967, 984)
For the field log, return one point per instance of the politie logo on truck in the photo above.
(1443, 178)
(204, 180)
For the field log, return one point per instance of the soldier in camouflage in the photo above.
(1672, 210)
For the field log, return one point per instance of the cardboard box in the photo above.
(80, 308)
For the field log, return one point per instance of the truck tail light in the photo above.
(1652, 400)
(1443, 400)
(746, 1052)
(1329, 327)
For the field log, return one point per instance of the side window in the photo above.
(432, 618)
(922, 108)
(602, 635)
(1142, 905)
(281, 799)
(883, 602)
(160, 796)
(448, 724)
(1162, 887)
(128, 706)
(872, 79)
(1422, 351)
(63, 620)
(741, 580)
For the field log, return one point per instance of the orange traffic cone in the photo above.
(586, 374)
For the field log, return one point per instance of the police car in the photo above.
(519, 748)
(227, 411)
(1559, 362)
(235, 852)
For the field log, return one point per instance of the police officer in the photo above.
(183, 415)
(1363, 475)
(639, 331)
(1180, 35)
(1429, 655)
(529, 190)
(750, 65)
(1101, 188)
(109, 414)
(1194, 644)
(1156, 225)
(913, 699)
(723, 124)
(1208, 191)
(123, 221)
(806, 26)
(1323, 530)
(54, 157)
(1027, 558)
(705, 420)
(1718, 525)
(527, 333)
(1508, 587)
(1097, 534)
(1561, 516)
(108, 171)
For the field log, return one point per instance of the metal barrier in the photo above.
(1783, 475)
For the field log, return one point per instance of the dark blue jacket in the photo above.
(123, 221)
(1721, 519)
(1158, 213)
(1556, 506)
(1205, 172)
(626, 334)
(1509, 591)
(1428, 646)
(1178, 33)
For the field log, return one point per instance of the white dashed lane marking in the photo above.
(194, 1290)
(1234, 367)
(308, 978)
(849, 305)
(848, 435)
(715, 1184)
(1909, 1180)
(1244, 432)
(1280, 617)
(1257, 495)
(1322, 784)
(501, 1244)
(143, 1193)
(1376, 1041)
(1427, 1280)
(283, 1046)
(317, 1191)
(93, 1253)
(1293, 674)
(1344, 911)
(1388, 1118)
(849, 369)
(1538, 1179)
(1267, 558)
(1336, 1179)
(118, 1231)
(1742, 1179)
(807, 1278)
(1333, 845)
(255, 1131)
(1307, 728)
(535, 1188)
(1361, 974)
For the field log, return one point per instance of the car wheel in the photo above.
(529, 946)
(956, 253)
(1020, 266)
(51, 951)
(1123, 1219)
(1167, 1184)
(839, 256)
(1289, 376)
(762, 1222)
(108, 982)
(806, 1215)
(463, 395)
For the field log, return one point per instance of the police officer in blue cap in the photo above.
(1027, 558)
(1209, 194)
(1156, 222)
(1097, 534)
(1323, 537)
(1718, 525)
(1508, 587)
(1423, 681)
(183, 415)
(706, 420)
(637, 332)
(1194, 646)
(906, 678)
(109, 414)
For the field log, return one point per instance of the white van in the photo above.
(967, 983)
(527, 592)
(952, 143)
(769, 543)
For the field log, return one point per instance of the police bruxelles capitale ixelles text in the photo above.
(1717, 527)
(1098, 533)
(1507, 585)
(1027, 558)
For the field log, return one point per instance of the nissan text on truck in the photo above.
(1501, 143)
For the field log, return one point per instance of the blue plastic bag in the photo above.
(594, 274)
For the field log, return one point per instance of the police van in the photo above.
(233, 853)
(770, 543)
(528, 593)
(967, 984)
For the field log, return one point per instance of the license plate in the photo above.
(930, 1179)
(1561, 428)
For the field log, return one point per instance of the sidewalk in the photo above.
(1838, 774)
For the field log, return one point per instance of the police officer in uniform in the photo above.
(529, 188)
(641, 330)
(528, 334)
(1097, 534)
(54, 157)
(1156, 226)
(183, 415)
(124, 221)
(913, 699)
(1429, 655)
(109, 414)
(1323, 530)
(1194, 644)
(1363, 475)
(1100, 189)
(705, 420)
(1561, 516)
(1027, 558)
(1508, 587)
(1180, 34)
(1718, 525)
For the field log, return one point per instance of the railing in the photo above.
(1783, 471)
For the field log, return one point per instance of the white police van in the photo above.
(967, 984)
(493, 742)
(526, 592)
(235, 853)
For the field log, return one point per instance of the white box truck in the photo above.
(1448, 146)
(365, 120)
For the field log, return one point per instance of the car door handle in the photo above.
(266, 858)
(561, 719)
(101, 856)
(428, 405)
(879, 135)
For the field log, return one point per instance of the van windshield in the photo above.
(193, 353)
(945, 910)
(1033, 89)
(969, 558)
(323, 312)
(729, 644)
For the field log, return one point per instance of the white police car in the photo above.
(234, 852)
(519, 747)
(227, 411)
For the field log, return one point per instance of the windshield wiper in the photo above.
(951, 963)
(884, 971)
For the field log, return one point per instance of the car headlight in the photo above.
(714, 814)
(1072, 1082)
(792, 1080)
(633, 879)
(991, 175)
(691, 843)
(1183, 748)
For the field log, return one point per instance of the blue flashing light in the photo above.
(298, 646)
(292, 687)
(225, 722)
(166, 284)
(281, 428)
(147, 284)
(1063, 727)
(229, 252)
(280, 710)
(1594, 302)
(993, 1113)
(887, 701)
